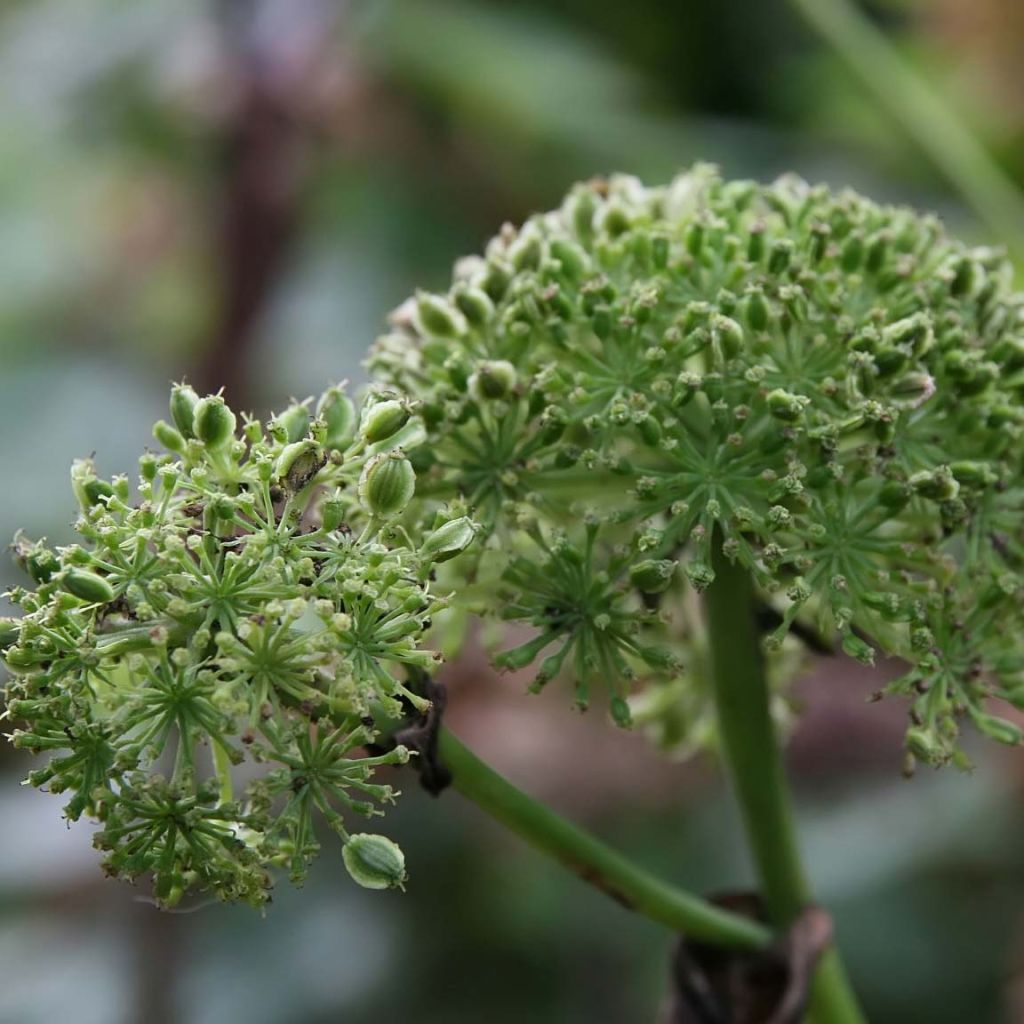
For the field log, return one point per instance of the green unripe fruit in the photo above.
(652, 576)
(701, 576)
(167, 436)
(298, 463)
(620, 712)
(729, 335)
(475, 305)
(754, 309)
(785, 406)
(383, 420)
(937, 484)
(493, 379)
(183, 406)
(438, 317)
(213, 422)
(973, 474)
(448, 540)
(10, 630)
(923, 746)
(37, 561)
(338, 413)
(387, 484)
(88, 586)
(374, 862)
(292, 425)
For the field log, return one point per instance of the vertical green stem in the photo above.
(751, 750)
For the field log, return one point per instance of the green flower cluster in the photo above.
(206, 666)
(830, 389)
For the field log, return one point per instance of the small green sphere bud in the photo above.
(167, 436)
(382, 420)
(374, 862)
(387, 484)
(448, 540)
(88, 586)
(438, 317)
(338, 412)
(785, 406)
(652, 576)
(213, 422)
(183, 406)
(494, 378)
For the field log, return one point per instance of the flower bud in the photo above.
(213, 422)
(183, 405)
(374, 862)
(494, 378)
(382, 420)
(438, 317)
(88, 586)
(652, 576)
(338, 412)
(387, 484)
(448, 540)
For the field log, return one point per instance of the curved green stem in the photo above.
(591, 859)
(751, 750)
(939, 132)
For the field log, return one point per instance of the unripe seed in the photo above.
(387, 484)
(338, 412)
(213, 422)
(383, 420)
(448, 540)
(167, 436)
(652, 576)
(88, 586)
(183, 406)
(785, 406)
(374, 862)
(438, 317)
(493, 379)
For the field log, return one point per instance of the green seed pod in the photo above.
(973, 474)
(729, 335)
(998, 729)
(387, 484)
(292, 425)
(620, 712)
(382, 420)
(701, 576)
(574, 261)
(652, 576)
(858, 649)
(923, 746)
(88, 586)
(332, 513)
(785, 406)
(754, 309)
(448, 540)
(10, 630)
(937, 484)
(438, 317)
(298, 463)
(374, 862)
(167, 436)
(338, 412)
(38, 561)
(475, 305)
(183, 407)
(494, 378)
(213, 422)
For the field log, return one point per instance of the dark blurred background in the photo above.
(239, 192)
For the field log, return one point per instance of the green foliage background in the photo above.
(240, 191)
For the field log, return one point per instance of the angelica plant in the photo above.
(246, 606)
(674, 434)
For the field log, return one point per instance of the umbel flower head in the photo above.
(206, 665)
(830, 389)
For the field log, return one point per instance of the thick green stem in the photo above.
(751, 750)
(591, 859)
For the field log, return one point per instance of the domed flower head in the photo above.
(830, 389)
(243, 607)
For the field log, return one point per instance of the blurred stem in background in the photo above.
(933, 125)
(751, 750)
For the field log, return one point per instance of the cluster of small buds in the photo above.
(206, 666)
(831, 389)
